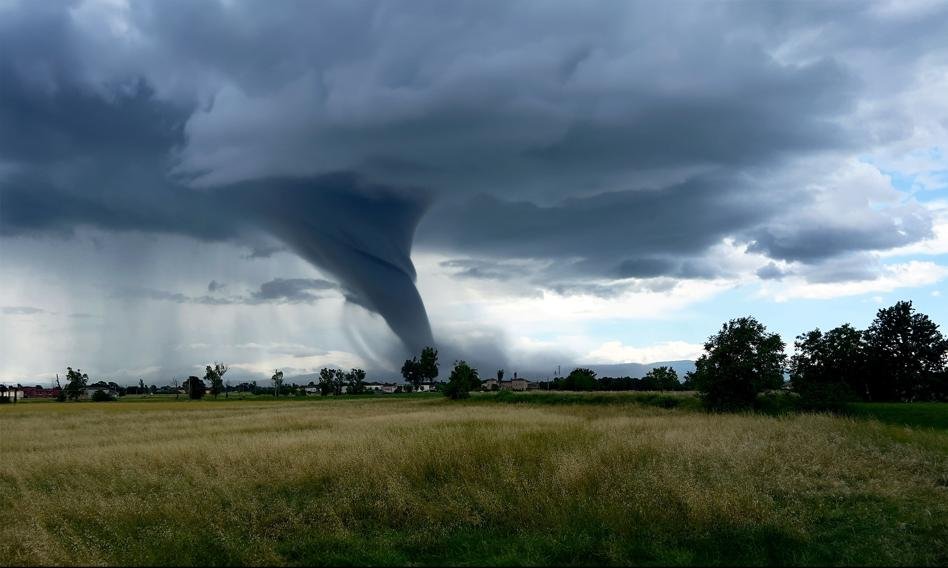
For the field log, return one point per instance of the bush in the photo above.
(462, 381)
(102, 396)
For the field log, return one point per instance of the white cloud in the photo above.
(617, 352)
(293, 365)
(911, 274)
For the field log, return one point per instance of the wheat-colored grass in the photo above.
(400, 481)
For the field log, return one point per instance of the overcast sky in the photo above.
(526, 184)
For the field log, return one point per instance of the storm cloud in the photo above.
(611, 141)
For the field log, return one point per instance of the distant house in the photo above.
(40, 392)
(12, 393)
(515, 385)
(312, 390)
(389, 388)
(490, 384)
(373, 387)
(425, 387)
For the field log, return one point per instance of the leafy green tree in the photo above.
(462, 381)
(827, 370)
(355, 379)
(663, 378)
(327, 379)
(688, 382)
(195, 388)
(417, 371)
(428, 364)
(906, 355)
(740, 361)
(77, 381)
(331, 381)
(215, 376)
(411, 372)
(277, 379)
(580, 379)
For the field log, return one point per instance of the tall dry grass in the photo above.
(428, 481)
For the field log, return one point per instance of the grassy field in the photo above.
(422, 480)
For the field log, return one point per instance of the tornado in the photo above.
(361, 233)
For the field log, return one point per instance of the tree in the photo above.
(740, 361)
(195, 388)
(827, 370)
(663, 378)
(417, 371)
(355, 380)
(77, 381)
(411, 371)
(215, 376)
(428, 365)
(176, 385)
(462, 381)
(580, 379)
(277, 379)
(906, 355)
(331, 381)
(326, 378)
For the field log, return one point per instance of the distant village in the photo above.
(111, 390)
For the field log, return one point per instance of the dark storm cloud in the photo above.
(850, 268)
(614, 140)
(811, 244)
(264, 251)
(214, 286)
(770, 272)
(20, 310)
(276, 291)
(292, 290)
(480, 269)
(643, 234)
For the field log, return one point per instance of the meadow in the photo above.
(512, 480)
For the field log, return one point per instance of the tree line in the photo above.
(901, 357)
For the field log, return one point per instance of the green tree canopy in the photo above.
(906, 355)
(77, 381)
(195, 388)
(215, 376)
(663, 378)
(740, 361)
(331, 381)
(277, 380)
(411, 371)
(428, 364)
(580, 379)
(828, 369)
(462, 381)
(355, 379)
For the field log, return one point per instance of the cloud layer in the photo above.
(591, 149)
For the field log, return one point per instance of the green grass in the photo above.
(665, 399)
(915, 414)
(519, 479)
